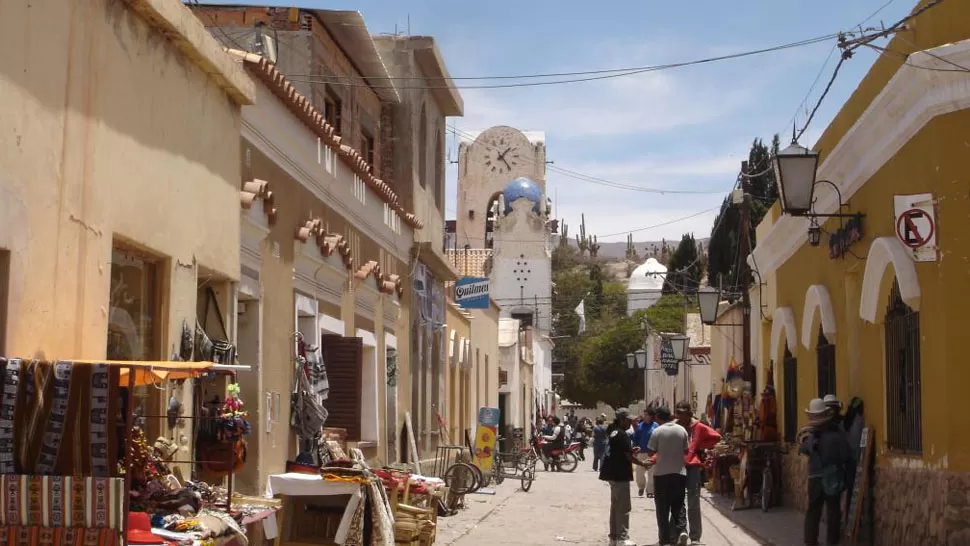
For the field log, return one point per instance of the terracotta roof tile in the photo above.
(475, 262)
(304, 109)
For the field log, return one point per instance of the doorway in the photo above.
(503, 407)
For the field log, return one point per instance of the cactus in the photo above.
(594, 247)
(581, 240)
(631, 251)
(563, 234)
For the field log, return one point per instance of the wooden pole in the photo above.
(745, 280)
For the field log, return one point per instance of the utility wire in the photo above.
(596, 74)
(589, 178)
(591, 75)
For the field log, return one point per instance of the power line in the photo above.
(591, 75)
(589, 178)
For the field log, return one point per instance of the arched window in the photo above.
(791, 395)
(825, 354)
(423, 149)
(904, 405)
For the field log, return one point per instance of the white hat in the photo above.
(831, 401)
(816, 407)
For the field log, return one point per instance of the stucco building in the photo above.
(119, 193)
(881, 319)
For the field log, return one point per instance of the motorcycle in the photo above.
(561, 460)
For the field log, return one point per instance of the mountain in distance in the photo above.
(617, 250)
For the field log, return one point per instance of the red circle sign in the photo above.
(910, 233)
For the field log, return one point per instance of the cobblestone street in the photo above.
(573, 509)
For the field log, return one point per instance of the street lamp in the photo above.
(708, 298)
(637, 359)
(795, 174)
(814, 233)
(680, 343)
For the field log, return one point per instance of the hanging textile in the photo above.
(58, 418)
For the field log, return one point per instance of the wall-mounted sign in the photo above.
(668, 360)
(472, 292)
(916, 225)
(844, 237)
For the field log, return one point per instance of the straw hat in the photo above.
(816, 407)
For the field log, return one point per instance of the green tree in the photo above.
(667, 315)
(604, 373)
(685, 269)
(724, 260)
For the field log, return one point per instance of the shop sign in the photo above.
(472, 292)
(668, 360)
(916, 225)
(844, 237)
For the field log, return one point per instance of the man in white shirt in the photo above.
(668, 443)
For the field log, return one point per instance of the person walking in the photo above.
(669, 442)
(599, 442)
(829, 456)
(700, 438)
(641, 440)
(617, 470)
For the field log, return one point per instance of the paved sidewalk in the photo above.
(779, 526)
(566, 509)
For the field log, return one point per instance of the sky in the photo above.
(686, 128)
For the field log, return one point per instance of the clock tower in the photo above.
(485, 167)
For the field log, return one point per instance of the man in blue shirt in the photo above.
(641, 437)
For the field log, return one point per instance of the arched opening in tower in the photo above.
(491, 215)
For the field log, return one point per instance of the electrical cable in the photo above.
(589, 178)
(593, 74)
(898, 55)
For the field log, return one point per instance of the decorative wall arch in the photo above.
(817, 298)
(783, 319)
(883, 252)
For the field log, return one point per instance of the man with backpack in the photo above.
(829, 458)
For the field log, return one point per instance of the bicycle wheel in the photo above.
(767, 485)
(528, 476)
(568, 462)
(479, 477)
(497, 476)
(460, 478)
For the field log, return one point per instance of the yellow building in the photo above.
(120, 193)
(884, 322)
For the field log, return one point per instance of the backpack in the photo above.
(833, 480)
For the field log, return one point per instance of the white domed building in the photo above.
(645, 285)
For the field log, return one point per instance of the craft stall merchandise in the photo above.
(346, 502)
(75, 468)
(746, 463)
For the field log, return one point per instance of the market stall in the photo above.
(73, 464)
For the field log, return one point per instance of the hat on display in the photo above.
(831, 401)
(816, 407)
(139, 530)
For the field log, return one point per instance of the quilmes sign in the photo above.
(472, 292)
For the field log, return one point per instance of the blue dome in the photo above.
(519, 188)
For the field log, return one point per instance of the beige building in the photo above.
(120, 193)
(419, 174)
(325, 280)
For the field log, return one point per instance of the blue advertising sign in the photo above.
(472, 292)
(488, 416)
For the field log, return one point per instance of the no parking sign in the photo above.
(916, 225)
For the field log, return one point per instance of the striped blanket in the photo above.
(58, 418)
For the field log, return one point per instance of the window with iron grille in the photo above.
(904, 406)
(825, 353)
(791, 395)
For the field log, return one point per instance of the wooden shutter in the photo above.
(342, 357)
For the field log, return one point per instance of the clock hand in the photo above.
(506, 164)
(501, 156)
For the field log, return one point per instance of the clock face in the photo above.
(502, 153)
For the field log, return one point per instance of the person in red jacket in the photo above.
(700, 438)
